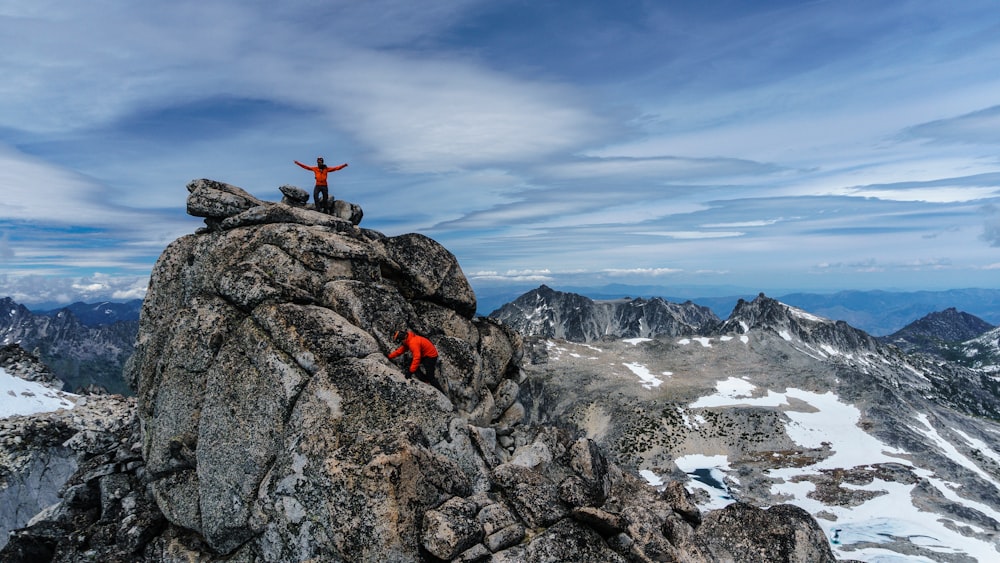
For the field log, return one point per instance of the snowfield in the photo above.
(889, 515)
(21, 397)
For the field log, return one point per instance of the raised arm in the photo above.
(307, 167)
(335, 168)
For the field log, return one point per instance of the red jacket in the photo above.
(321, 172)
(419, 346)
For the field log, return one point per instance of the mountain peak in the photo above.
(936, 332)
(768, 313)
(549, 313)
(794, 324)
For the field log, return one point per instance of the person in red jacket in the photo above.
(425, 356)
(320, 171)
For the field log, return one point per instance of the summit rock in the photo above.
(273, 427)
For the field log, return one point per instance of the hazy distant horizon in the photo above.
(65, 296)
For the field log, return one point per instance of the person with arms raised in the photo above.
(322, 187)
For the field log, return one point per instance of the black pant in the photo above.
(321, 205)
(425, 372)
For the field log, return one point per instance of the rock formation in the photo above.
(19, 362)
(274, 428)
(39, 453)
(555, 314)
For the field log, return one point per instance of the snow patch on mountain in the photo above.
(649, 380)
(950, 450)
(21, 397)
(705, 342)
(556, 350)
(709, 474)
(979, 445)
(889, 515)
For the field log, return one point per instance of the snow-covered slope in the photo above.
(983, 352)
(882, 495)
(21, 397)
(897, 457)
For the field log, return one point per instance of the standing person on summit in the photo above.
(321, 170)
(425, 356)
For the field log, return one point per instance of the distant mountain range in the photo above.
(555, 314)
(876, 312)
(97, 314)
(88, 343)
(85, 345)
(956, 336)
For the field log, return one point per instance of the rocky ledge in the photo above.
(20, 363)
(46, 460)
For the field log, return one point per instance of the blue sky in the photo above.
(770, 146)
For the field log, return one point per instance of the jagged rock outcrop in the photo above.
(789, 322)
(294, 196)
(732, 533)
(19, 362)
(274, 428)
(549, 313)
(965, 390)
(224, 206)
(40, 453)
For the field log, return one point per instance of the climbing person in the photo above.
(425, 356)
(320, 171)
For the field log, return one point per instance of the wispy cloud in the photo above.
(514, 276)
(991, 226)
(978, 127)
(691, 234)
(642, 272)
(539, 142)
(421, 115)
